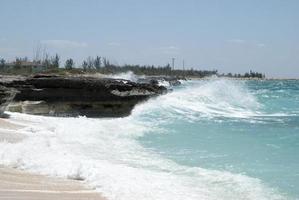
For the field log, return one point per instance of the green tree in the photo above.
(69, 64)
(55, 61)
(106, 62)
(97, 62)
(2, 63)
(18, 63)
(90, 63)
(85, 65)
(46, 62)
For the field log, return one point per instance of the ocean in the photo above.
(211, 139)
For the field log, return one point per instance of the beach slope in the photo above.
(17, 184)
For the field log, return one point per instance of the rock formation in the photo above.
(173, 81)
(6, 96)
(73, 96)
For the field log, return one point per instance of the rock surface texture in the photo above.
(173, 81)
(73, 96)
(6, 96)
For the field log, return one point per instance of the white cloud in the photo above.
(113, 44)
(170, 50)
(260, 45)
(237, 41)
(64, 44)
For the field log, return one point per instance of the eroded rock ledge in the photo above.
(73, 96)
(6, 96)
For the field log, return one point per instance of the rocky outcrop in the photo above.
(171, 80)
(72, 96)
(6, 96)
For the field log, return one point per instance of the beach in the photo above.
(217, 139)
(17, 184)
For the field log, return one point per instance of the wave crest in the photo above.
(209, 98)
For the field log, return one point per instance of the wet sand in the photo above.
(19, 185)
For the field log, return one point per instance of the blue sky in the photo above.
(228, 35)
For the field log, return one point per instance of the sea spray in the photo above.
(209, 98)
(108, 153)
(116, 165)
(129, 75)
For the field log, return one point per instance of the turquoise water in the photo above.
(213, 139)
(247, 127)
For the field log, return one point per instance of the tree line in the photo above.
(103, 65)
(250, 74)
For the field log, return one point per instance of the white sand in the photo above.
(16, 184)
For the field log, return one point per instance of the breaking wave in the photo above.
(126, 75)
(106, 153)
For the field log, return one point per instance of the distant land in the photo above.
(52, 65)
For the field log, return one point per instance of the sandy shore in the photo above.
(16, 184)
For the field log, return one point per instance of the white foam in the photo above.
(206, 99)
(106, 154)
(129, 75)
(163, 83)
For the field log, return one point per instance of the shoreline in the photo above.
(233, 78)
(19, 184)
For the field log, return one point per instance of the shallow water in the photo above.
(208, 139)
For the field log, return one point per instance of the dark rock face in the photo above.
(172, 80)
(72, 96)
(6, 96)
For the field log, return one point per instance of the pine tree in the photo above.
(55, 61)
(69, 63)
(2, 63)
(85, 65)
(97, 62)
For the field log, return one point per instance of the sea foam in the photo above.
(107, 155)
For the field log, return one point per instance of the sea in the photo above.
(208, 139)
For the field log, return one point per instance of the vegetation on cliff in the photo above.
(103, 65)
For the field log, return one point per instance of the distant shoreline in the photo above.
(233, 78)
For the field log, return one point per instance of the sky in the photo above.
(227, 35)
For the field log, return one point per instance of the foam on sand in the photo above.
(106, 154)
(16, 184)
